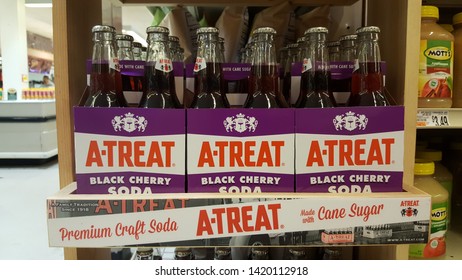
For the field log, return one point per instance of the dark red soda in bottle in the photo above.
(105, 67)
(292, 57)
(314, 84)
(159, 90)
(207, 72)
(367, 80)
(264, 74)
(342, 68)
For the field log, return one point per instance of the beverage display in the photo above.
(263, 88)
(159, 90)
(104, 68)
(314, 85)
(435, 63)
(457, 86)
(436, 246)
(367, 79)
(174, 45)
(333, 49)
(207, 72)
(297, 253)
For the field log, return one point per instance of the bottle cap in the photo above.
(157, 29)
(124, 37)
(433, 155)
(203, 30)
(348, 37)
(430, 12)
(301, 39)
(368, 29)
(457, 18)
(102, 28)
(297, 251)
(333, 44)
(173, 39)
(316, 30)
(137, 45)
(292, 46)
(424, 167)
(264, 30)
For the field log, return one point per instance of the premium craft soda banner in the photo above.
(240, 150)
(129, 150)
(344, 150)
(287, 220)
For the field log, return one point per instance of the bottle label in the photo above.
(164, 65)
(307, 65)
(114, 64)
(200, 64)
(436, 246)
(435, 69)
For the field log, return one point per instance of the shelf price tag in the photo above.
(433, 119)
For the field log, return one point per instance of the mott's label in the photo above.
(240, 151)
(128, 151)
(436, 245)
(436, 69)
(349, 151)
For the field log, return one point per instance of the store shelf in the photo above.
(438, 118)
(240, 2)
(28, 129)
(213, 219)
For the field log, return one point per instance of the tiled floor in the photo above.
(23, 193)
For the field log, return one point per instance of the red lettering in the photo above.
(219, 214)
(375, 154)
(359, 151)
(125, 152)
(155, 156)
(206, 156)
(104, 205)
(221, 150)
(330, 151)
(249, 152)
(169, 204)
(262, 219)
(388, 142)
(345, 152)
(274, 213)
(168, 145)
(233, 217)
(138, 205)
(110, 152)
(138, 152)
(235, 154)
(152, 205)
(246, 217)
(94, 155)
(204, 225)
(314, 155)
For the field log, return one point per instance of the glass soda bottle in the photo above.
(137, 51)
(297, 253)
(174, 45)
(334, 50)
(314, 84)
(183, 253)
(144, 253)
(104, 68)
(341, 81)
(264, 77)
(124, 47)
(292, 56)
(207, 71)
(159, 91)
(367, 79)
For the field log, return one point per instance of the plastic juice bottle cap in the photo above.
(430, 12)
(457, 18)
(433, 155)
(424, 167)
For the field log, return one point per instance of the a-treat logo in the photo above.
(350, 121)
(240, 123)
(129, 123)
(238, 219)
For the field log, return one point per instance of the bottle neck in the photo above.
(104, 50)
(209, 48)
(368, 49)
(317, 52)
(124, 50)
(264, 51)
(158, 47)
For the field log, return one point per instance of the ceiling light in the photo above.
(39, 5)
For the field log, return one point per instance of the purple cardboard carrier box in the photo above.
(240, 150)
(349, 149)
(129, 150)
